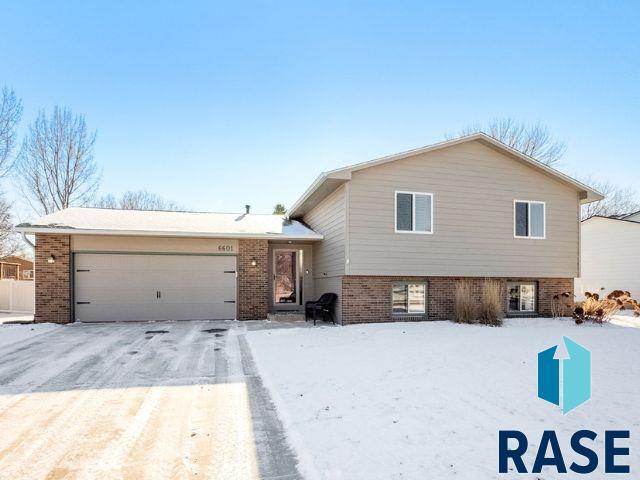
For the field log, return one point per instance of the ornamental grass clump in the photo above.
(463, 303)
(490, 309)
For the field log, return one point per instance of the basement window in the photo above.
(522, 297)
(409, 298)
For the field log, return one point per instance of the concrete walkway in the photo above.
(143, 400)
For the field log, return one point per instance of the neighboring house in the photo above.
(390, 237)
(609, 255)
(16, 268)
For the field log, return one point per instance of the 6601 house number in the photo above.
(225, 248)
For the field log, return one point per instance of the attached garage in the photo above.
(107, 265)
(118, 287)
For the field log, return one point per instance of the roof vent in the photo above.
(247, 209)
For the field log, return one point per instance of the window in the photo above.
(528, 219)
(522, 297)
(409, 298)
(414, 212)
(9, 271)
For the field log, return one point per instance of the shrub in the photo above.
(598, 310)
(490, 310)
(463, 303)
(561, 305)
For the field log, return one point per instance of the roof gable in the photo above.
(328, 181)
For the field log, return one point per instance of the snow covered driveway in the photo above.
(146, 400)
(426, 400)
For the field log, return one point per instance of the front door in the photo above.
(286, 284)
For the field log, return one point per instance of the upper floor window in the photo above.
(414, 212)
(528, 219)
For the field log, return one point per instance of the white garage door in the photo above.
(122, 287)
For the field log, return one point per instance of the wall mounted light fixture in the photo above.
(254, 262)
(51, 259)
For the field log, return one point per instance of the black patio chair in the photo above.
(324, 308)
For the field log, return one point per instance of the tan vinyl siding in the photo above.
(110, 243)
(328, 218)
(473, 189)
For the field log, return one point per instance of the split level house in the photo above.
(390, 237)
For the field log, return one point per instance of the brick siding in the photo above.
(367, 299)
(253, 281)
(53, 287)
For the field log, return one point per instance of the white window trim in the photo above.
(535, 297)
(407, 285)
(544, 219)
(413, 212)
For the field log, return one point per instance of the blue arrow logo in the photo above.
(571, 376)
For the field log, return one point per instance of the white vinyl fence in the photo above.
(17, 296)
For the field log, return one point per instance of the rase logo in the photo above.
(565, 382)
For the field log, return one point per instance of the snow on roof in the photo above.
(189, 224)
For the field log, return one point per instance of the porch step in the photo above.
(286, 317)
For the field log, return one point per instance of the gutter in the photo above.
(141, 233)
(292, 211)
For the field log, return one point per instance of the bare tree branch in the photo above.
(55, 165)
(140, 200)
(533, 140)
(10, 114)
(8, 243)
(618, 200)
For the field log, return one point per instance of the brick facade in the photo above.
(53, 283)
(253, 281)
(364, 298)
(367, 299)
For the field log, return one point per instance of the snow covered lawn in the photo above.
(426, 400)
(16, 333)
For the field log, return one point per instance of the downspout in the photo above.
(27, 241)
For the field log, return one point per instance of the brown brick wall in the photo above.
(253, 282)
(53, 288)
(367, 299)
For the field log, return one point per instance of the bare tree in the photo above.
(8, 243)
(279, 209)
(533, 140)
(140, 200)
(55, 165)
(10, 114)
(617, 200)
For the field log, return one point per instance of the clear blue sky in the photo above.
(218, 104)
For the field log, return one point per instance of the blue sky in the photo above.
(219, 104)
